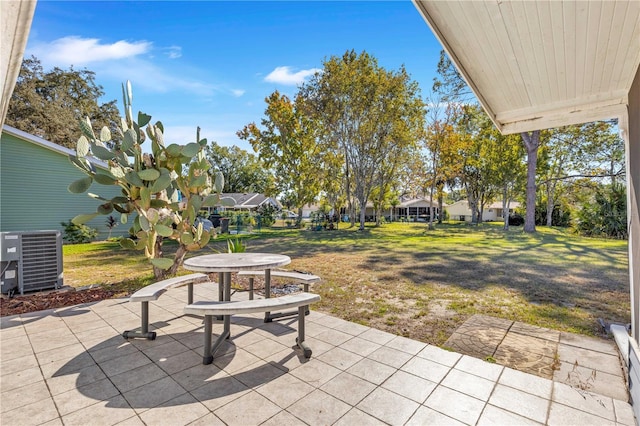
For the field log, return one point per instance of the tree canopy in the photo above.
(369, 115)
(242, 170)
(50, 104)
(287, 144)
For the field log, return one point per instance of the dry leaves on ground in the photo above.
(51, 300)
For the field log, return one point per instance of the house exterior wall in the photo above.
(34, 193)
(307, 209)
(632, 145)
(460, 211)
(631, 136)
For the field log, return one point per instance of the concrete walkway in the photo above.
(71, 366)
(584, 362)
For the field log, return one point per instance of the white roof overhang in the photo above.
(542, 64)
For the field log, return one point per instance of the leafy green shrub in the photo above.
(267, 215)
(606, 216)
(78, 234)
(516, 220)
(559, 217)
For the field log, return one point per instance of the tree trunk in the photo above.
(363, 207)
(505, 207)
(473, 205)
(550, 203)
(433, 184)
(161, 274)
(531, 143)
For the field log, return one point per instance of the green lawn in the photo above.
(424, 284)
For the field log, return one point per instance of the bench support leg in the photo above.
(210, 349)
(190, 294)
(250, 288)
(144, 326)
(300, 339)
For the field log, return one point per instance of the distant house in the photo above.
(251, 201)
(414, 209)
(493, 212)
(418, 209)
(35, 174)
(307, 209)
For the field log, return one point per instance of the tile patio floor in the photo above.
(563, 357)
(71, 366)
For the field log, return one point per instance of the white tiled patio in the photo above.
(71, 366)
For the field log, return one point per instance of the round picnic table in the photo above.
(224, 264)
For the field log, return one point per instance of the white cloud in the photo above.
(122, 61)
(154, 79)
(174, 52)
(75, 50)
(284, 75)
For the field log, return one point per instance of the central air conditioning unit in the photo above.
(30, 261)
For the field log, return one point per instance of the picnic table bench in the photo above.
(302, 277)
(227, 308)
(153, 292)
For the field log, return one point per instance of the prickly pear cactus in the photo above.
(150, 185)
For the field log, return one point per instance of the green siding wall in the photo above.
(33, 190)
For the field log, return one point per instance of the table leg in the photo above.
(227, 298)
(220, 286)
(209, 349)
(220, 291)
(267, 292)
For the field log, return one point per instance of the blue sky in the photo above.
(212, 63)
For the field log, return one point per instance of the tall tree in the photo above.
(443, 148)
(506, 164)
(531, 142)
(369, 112)
(50, 104)
(476, 173)
(242, 170)
(287, 144)
(453, 87)
(450, 86)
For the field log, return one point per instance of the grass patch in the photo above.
(423, 283)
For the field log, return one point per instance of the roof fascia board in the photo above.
(571, 106)
(559, 119)
(249, 199)
(48, 145)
